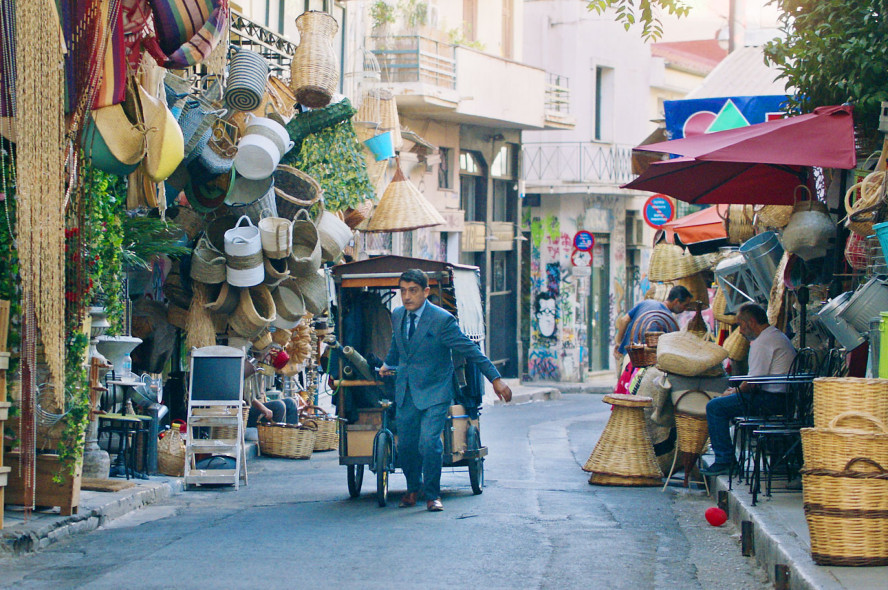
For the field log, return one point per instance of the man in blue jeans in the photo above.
(770, 353)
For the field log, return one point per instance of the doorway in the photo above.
(599, 306)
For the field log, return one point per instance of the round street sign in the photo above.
(583, 241)
(658, 211)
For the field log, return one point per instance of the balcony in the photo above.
(277, 50)
(583, 164)
(499, 236)
(455, 83)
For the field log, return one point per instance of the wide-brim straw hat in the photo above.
(125, 140)
(670, 262)
(100, 155)
(403, 208)
(166, 145)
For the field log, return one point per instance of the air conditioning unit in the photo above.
(634, 231)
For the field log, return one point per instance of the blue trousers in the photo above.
(720, 411)
(420, 449)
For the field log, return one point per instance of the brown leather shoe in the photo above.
(434, 505)
(408, 500)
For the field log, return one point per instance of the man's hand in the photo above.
(269, 415)
(502, 390)
(730, 391)
(385, 371)
(617, 354)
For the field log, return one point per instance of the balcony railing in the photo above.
(577, 162)
(276, 49)
(413, 58)
(557, 94)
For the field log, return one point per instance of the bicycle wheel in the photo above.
(382, 455)
(355, 479)
(476, 465)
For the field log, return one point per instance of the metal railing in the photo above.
(414, 58)
(557, 94)
(250, 35)
(577, 162)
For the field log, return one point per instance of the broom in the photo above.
(200, 328)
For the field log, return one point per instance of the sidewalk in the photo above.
(780, 537)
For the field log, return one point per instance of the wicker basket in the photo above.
(314, 75)
(847, 513)
(773, 216)
(863, 213)
(836, 395)
(255, 311)
(328, 429)
(737, 346)
(642, 356)
(670, 262)
(719, 304)
(624, 455)
(685, 354)
(691, 433)
(230, 432)
(738, 223)
(171, 454)
(833, 447)
(651, 338)
(294, 190)
(290, 441)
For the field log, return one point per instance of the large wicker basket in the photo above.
(836, 395)
(847, 513)
(328, 429)
(290, 441)
(229, 432)
(171, 454)
(670, 262)
(642, 356)
(833, 447)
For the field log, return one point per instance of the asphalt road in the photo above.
(538, 524)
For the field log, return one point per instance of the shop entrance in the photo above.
(598, 316)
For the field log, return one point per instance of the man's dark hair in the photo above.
(414, 275)
(679, 293)
(755, 312)
(541, 297)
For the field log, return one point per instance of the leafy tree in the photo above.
(834, 51)
(644, 12)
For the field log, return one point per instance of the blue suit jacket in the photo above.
(424, 363)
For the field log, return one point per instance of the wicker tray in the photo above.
(847, 513)
(288, 440)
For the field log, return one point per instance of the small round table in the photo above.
(624, 455)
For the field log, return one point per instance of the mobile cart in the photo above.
(366, 437)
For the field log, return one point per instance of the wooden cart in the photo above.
(367, 441)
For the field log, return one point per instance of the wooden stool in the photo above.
(624, 455)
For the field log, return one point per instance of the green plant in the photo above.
(382, 13)
(832, 52)
(455, 36)
(147, 237)
(645, 12)
(415, 12)
(334, 158)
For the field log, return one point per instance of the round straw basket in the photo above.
(836, 395)
(833, 447)
(313, 289)
(736, 345)
(685, 354)
(274, 276)
(281, 336)
(207, 263)
(230, 432)
(294, 189)
(357, 215)
(188, 219)
(691, 433)
(863, 212)
(624, 454)
(288, 301)
(314, 75)
(171, 454)
(287, 440)
(773, 216)
(305, 258)
(738, 223)
(225, 300)
(719, 304)
(333, 234)
(328, 429)
(670, 262)
(255, 311)
(276, 235)
(847, 513)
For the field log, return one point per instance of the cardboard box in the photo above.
(360, 440)
(458, 432)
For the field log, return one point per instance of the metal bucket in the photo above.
(830, 317)
(763, 253)
(875, 340)
(866, 304)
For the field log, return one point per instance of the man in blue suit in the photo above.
(424, 336)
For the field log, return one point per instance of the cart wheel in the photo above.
(382, 457)
(476, 465)
(355, 479)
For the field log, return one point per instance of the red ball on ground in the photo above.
(716, 516)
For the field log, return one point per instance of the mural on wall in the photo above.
(546, 289)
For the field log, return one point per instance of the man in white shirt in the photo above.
(770, 353)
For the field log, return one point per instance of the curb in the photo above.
(774, 544)
(20, 542)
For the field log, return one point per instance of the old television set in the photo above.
(217, 374)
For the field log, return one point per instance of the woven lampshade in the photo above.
(403, 208)
(389, 119)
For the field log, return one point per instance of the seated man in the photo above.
(770, 353)
(284, 410)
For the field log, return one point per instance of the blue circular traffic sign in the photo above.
(583, 241)
(658, 211)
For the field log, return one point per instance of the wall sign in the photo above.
(583, 241)
(658, 211)
(581, 258)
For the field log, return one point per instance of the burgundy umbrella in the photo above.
(824, 138)
(740, 183)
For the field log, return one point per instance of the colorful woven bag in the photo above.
(188, 30)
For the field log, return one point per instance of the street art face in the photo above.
(546, 314)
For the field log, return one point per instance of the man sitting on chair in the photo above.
(770, 353)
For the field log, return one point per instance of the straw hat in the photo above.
(124, 139)
(166, 145)
(403, 208)
(670, 262)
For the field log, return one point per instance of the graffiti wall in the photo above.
(561, 287)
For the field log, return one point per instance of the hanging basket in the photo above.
(773, 216)
(255, 312)
(207, 263)
(670, 262)
(305, 257)
(719, 304)
(685, 354)
(294, 190)
(314, 73)
(738, 223)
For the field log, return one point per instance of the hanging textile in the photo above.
(468, 304)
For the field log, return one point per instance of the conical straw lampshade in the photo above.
(403, 208)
